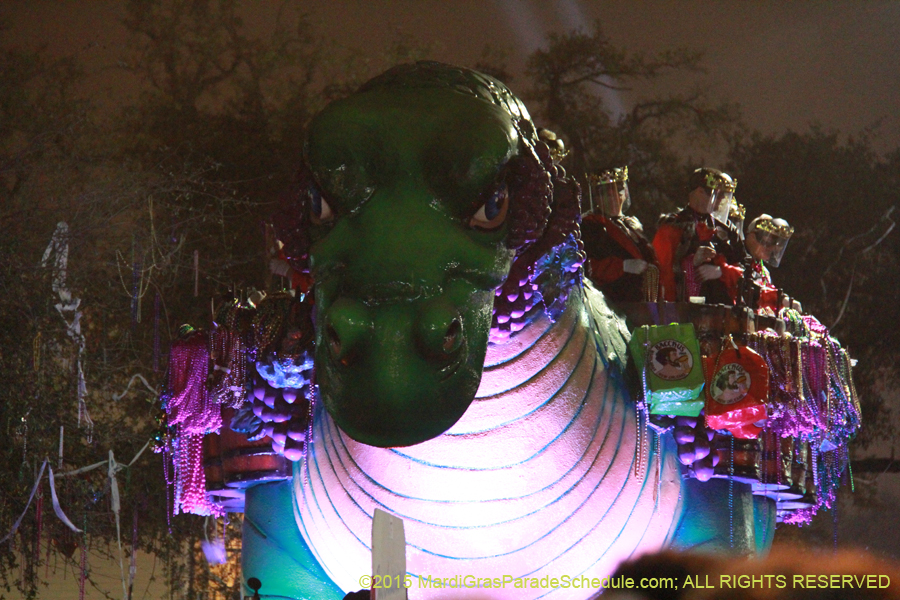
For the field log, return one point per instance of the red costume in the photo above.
(767, 293)
(677, 240)
(608, 242)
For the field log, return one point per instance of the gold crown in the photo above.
(716, 180)
(737, 210)
(770, 226)
(617, 175)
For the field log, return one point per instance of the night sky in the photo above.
(788, 64)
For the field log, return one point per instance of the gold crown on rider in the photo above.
(617, 175)
(721, 181)
(737, 211)
(782, 230)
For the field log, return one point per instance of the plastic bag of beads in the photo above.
(737, 389)
(668, 357)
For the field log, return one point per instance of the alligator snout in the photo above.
(355, 329)
(395, 373)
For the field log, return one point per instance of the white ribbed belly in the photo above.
(537, 479)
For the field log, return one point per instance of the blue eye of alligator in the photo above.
(492, 213)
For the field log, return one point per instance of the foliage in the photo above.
(227, 106)
(164, 204)
(188, 169)
(577, 82)
(37, 129)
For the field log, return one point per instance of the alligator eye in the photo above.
(492, 213)
(320, 212)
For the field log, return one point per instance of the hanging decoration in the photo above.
(228, 353)
(669, 357)
(787, 384)
(213, 550)
(193, 414)
(113, 467)
(83, 577)
(248, 386)
(34, 490)
(57, 253)
(736, 390)
(284, 338)
(780, 389)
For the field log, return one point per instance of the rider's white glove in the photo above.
(634, 265)
(709, 272)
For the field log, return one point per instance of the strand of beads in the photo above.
(194, 498)
(229, 354)
(194, 413)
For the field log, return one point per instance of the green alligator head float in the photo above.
(433, 222)
(423, 214)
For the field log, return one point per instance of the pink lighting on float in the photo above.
(536, 479)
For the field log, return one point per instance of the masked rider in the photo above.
(699, 253)
(621, 261)
(766, 241)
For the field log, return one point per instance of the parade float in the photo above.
(437, 353)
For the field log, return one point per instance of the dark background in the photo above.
(787, 64)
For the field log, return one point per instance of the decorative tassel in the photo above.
(313, 396)
(194, 498)
(650, 284)
(132, 567)
(641, 418)
(834, 523)
(691, 283)
(47, 561)
(170, 486)
(229, 356)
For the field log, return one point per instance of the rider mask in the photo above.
(609, 192)
(719, 187)
(772, 236)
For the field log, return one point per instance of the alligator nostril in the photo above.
(440, 333)
(453, 337)
(346, 332)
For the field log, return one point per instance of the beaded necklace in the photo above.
(229, 355)
(193, 412)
